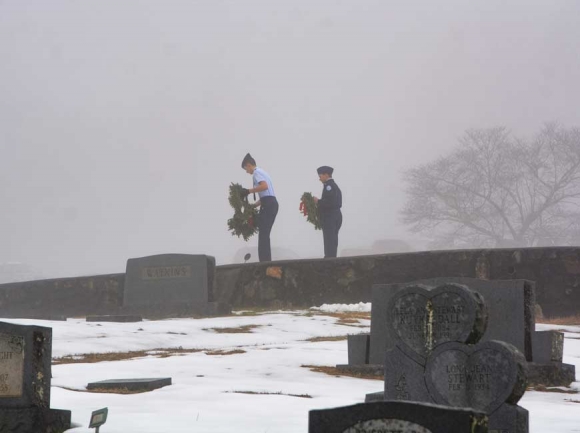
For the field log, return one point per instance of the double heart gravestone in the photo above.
(25, 375)
(511, 310)
(436, 358)
(396, 417)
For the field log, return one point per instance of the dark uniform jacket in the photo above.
(331, 200)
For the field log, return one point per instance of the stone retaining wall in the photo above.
(305, 283)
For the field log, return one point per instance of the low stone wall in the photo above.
(304, 283)
(64, 297)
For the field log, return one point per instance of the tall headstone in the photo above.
(25, 375)
(396, 417)
(183, 283)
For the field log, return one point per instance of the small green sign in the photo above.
(98, 418)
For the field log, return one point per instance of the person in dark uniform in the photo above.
(268, 205)
(329, 210)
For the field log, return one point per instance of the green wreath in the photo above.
(309, 209)
(243, 223)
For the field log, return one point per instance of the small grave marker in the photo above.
(98, 418)
(135, 385)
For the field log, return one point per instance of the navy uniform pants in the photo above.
(266, 218)
(331, 223)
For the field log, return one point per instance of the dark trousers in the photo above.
(266, 218)
(331, 223)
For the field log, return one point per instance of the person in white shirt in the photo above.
(268, 205)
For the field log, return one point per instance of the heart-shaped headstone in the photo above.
(482, 376)
(422, 319)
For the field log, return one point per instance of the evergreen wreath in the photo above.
(310, 210)
(243, 223)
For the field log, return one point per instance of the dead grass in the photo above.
(572, 401)
(567, 320)
(319, 339)
(244, 329)
(90, 358)
(333, 371)
(225, 352)
(269, 393)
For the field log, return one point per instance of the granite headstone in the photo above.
(171, 282)
(25, 375)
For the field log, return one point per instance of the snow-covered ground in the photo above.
(204, 396)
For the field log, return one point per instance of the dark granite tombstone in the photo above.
(490, 377)
(181, 283)
(135, 385)
(510, 306)
(396, 417)
(436, 353)
(25, 375)
(511, 311)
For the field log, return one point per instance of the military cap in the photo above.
(325, 169)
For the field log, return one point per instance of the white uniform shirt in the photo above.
(261, 176)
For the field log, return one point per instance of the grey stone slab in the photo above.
(115, 318)
(551, 374)
(358, 349)
(421, 318)
(482, 376)
(404, 378)
(139, 384)
(165, 280)
(548, 346)
(396, 417)
(510, 305)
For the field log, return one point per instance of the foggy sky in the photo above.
(122, 123)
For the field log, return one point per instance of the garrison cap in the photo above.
(248, 160)
(325, 169)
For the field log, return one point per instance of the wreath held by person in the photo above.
(243, 223)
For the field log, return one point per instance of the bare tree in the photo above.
(496, 191)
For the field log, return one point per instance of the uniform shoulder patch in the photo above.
(328, 187)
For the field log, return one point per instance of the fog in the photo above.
(122, 123)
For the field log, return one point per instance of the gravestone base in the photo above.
(551, 374)
(509, 418)
(34, 420)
